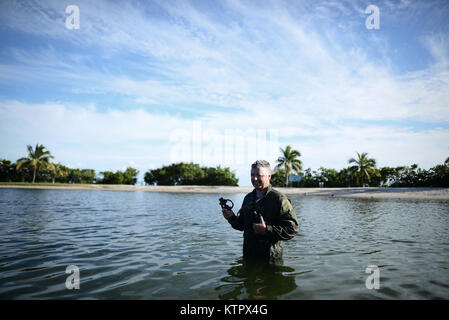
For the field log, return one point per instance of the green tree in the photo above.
(119, 177)
(363, 169)
(6, 170)
(190, 174)
(289, 160)
(81, 176)
(346, 178)
(388, 176)
(37, 158)
(438, 176)
(57, 170)
(130, 176)
(329, 177)
(154, 176)
(219, 177)
(278, 178)
(110, 177)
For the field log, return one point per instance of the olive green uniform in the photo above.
(280, 219)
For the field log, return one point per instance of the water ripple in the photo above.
(136, 245)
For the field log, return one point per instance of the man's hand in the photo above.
(259, 228)
(227, 213)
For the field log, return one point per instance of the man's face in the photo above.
(260, 178)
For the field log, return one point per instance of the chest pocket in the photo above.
(267, 209)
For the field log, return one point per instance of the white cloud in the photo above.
(263, 58)
(438, 47)
(278, 66)
(108, 140)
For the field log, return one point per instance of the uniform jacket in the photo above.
(280, 219)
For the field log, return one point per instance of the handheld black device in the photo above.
(224, 205)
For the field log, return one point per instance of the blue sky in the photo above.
(148, 83)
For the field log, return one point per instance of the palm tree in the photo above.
(37, 158)
(289, 161)
(57, 170)
(363, 168)
(447, 161)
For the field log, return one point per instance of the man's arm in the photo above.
(235, 221)
(286, 225)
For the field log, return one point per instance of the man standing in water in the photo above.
(266, 217)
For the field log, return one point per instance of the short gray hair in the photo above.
(262, 163)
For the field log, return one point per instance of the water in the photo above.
(142, 245)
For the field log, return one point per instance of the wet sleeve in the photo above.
(286, 225)
(237, 221)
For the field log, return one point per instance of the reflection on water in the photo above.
(140, 245)
(248, 279)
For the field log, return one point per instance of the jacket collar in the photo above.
(266, 193)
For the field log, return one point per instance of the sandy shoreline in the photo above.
(374, 193)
